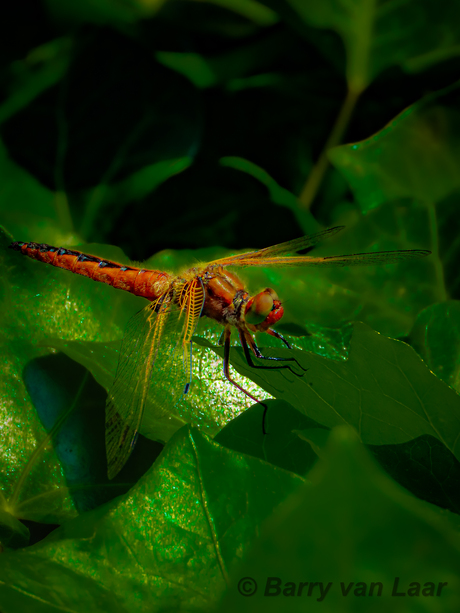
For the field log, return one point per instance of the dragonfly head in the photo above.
(263, 310)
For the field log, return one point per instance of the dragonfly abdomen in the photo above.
(147, 283)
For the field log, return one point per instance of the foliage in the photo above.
(190, 130)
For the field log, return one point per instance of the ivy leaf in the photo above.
(436, 337)
(323, 539)
(198, 508)
(279, 195)
(12, 532)
(328, 297)
(43, 67)
(383, 389)
(280, 445)
(378, 34)
(209, 405)
(33, 486)
(414, 156)
(34, 216)
(36, 305)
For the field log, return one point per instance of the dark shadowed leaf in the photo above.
(384, 33)
(415, 156)
(436, 337)
(383, 389)
(327, 534)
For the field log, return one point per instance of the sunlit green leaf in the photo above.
(173, 539)
(210, 404)
(33, 486)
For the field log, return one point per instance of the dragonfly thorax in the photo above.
(228, 302)
(225, 295)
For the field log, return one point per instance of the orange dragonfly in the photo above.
(156, 346)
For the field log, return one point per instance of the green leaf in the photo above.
(436, 337)
(206, 71)
(383, 389)
(316, 437)
(378, 34)
(102, 11)
(415, 156)
(353, 525)
(36, 214)
(43, 302)
(12, 532)
(251, 9)
(279, 195)
(37, 303)
(69, 313)
(138, 140)
(173, 539)
(211, 402)
(194, 66)
(425, 468)
(43, 67)
(280, 445)
(32, 483)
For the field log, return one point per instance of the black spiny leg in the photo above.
(227, 334)
(246, 339)
(278, 335)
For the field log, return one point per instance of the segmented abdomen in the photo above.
(147, 283)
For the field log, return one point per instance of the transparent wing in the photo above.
(155, 350)
(354, 259)
(278, 254)
(289, 247)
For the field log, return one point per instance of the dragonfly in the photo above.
(157, 344)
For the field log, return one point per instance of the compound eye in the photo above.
(272, 293)
(259, 307)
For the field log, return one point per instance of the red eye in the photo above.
(259, 307)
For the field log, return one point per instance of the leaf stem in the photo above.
(310, 189)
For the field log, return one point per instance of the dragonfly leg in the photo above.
(246, 339)
(278, 335)
(227, 334)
